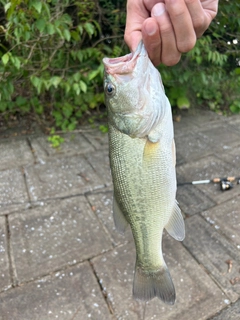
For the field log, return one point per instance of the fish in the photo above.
(142, 161)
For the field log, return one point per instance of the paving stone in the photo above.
(5, 280)
(231, 156)
(192, 120)
(219, 257)
(185, 125)
(13, 192)
(61, 177)
(97, 138)
(192, 146)
(198, 297)
(204, 117)
(74, 143)
(220, 136)
(69, 294)
(234, 123)
(54, 235)
(192, 200)
(102, 205)
(226, 219)
(99, 160)
(208, 168)
(15, 153)
(230, 313)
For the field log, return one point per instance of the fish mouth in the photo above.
(125, 64)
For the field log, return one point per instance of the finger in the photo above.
(136, 14)
(170, 54)
(152, 40)
(201, 18)
(182, 24)
(149, 4)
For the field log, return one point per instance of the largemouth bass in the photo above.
(142, 160)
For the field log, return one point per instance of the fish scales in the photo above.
(142, 160)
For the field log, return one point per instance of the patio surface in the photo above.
(60, 255)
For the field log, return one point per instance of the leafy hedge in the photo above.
(51, 59)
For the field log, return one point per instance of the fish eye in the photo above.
(110, 89)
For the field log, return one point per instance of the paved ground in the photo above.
(60, 256)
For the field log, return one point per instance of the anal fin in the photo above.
(118, 217)
(175, 226)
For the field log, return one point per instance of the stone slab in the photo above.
(192, 200)
(219, 257)
(192, 120)
(74, 144)
(68, 294)
(226, 219)
(61, 177)
(230, 313)
(234, 123)
(192, 146)
(5, 279)
(97, 138)
(232, 157)
(13, 192)
(15, 153)
(99, 160)
(101, 204)
(220, 136)
(198, 297)
(208, 168)
(54, 235)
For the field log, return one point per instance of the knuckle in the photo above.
(199, 23)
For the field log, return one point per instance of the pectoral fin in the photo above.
(175, 226)
(118, 217)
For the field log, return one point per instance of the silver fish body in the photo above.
(142, 159)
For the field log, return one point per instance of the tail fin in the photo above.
(150, 284)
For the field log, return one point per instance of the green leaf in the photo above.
(75, 35)
(237, 71)
(21, 101)
(47, 9)
(50, 29)
(76, 88)
(83, 86)
(72, 126)
(40, 24)
(37, 5)
(183, 103)
(93, 74)
(67, 34)
(89, 27)
(76, 76)
(3, 106)
(37, 83)
(16, 62)
(55, 81)
(7, 6)
(67, 110)
(5, 58)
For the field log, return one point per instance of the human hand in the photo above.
(167, 27)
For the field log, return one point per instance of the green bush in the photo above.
(51, 59)
(209, 75)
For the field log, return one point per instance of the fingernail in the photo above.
(158, 10)
(150, 28)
